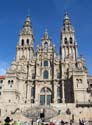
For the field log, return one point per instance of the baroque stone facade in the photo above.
(41, 77)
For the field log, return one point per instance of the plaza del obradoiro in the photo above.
(42, 81)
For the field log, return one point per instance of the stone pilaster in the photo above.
(63, 92)
(37, 94)
(55, 92)
(29, 93)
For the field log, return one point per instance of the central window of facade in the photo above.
(45, 96)
(45, 63)
(45, 74)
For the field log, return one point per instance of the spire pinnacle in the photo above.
(67, 23)
(27, 27)
(28, 19)
(66, 17)
(46, 34)
(27, 22)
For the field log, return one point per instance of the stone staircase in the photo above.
(34, 112)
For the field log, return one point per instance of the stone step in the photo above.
(34, 112)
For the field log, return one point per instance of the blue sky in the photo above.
(45, 14)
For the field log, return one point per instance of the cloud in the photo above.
(3, 67)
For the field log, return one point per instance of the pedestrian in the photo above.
(18, 122)
(62, 122)
(32, 122)
(7, 120)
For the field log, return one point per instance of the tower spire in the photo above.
(25, 48)
(27, 27)
(27, 22)
(68, 41)
(67, 26)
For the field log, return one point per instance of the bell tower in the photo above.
(69, 57)
(25, 47)
(68, 42)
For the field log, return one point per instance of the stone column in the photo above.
(29, 93)
(55, 93)
(66, 51)
(21, 52)
(37, 94)
(73, 50)
(63, 53)
(76, 51)
(63, 92)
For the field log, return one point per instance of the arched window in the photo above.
(27, 41)
(45, 63)
(11, 81)
(45, 45)
(77, 80)
(8, 81)
(22, 42)
(71, 40)
(65, 39)
(45, 74)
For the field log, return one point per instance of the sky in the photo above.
(45, 14)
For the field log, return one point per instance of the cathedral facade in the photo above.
(41, 77)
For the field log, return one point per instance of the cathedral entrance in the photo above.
(45, 96)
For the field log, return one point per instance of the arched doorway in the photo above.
(45, 96)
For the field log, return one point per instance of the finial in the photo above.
(28, 15)
(28, 19)
(27, 22)
(66, 15)
(46, 34)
